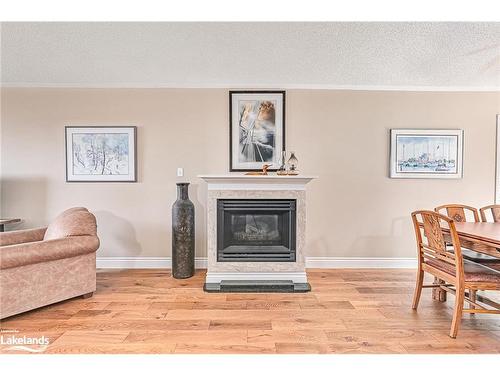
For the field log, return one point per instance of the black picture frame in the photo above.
(133, 128)
(232, 167)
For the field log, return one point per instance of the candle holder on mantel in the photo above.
(292, 164)
(282, 169)
(182, 234)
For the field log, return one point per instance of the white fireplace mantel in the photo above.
(241, 186)
(237, 181)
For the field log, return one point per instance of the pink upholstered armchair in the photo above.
(42, 266)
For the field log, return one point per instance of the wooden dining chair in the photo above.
(458, 275)
(494, 210)
(494, 215)
(458, 212)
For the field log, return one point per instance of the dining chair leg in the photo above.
(438, 293)
(442, 293)
(418, 289)
(435, 291)
(457, 313)
(472, 297)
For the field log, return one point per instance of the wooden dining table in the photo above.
(480, 237)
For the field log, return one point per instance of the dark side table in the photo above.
(7, 221)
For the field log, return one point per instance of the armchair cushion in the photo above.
(21, 236)
(76, 221)
(44, 251)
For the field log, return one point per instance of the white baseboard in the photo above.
(142, 262)
(311, 262)
(360, 262)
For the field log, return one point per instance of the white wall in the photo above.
(354, 209)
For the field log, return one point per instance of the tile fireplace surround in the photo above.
(256, 276)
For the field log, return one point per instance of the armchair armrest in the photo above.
(21, 236)
(45, 251)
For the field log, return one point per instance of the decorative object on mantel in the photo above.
(257, 129)
(101, 154)
(282, 169)
(425, 153)
(256, 233)
(183, 234)
(265, 167)
(292, 165)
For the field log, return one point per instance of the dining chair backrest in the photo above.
(432, 241)
(458, 212)
(493, 209)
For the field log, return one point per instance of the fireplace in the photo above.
(256, 230)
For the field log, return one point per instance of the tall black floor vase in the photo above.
(182, 234)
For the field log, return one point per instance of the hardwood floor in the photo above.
(348, 311)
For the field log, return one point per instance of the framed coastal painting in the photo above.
(101, 154)
(421, 153)
(257, 129)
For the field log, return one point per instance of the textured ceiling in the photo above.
(454, 55)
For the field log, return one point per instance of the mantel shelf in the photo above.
(268, 182)
(266, 178)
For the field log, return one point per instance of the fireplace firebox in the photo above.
(256, 230)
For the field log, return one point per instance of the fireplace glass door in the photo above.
(256, 230)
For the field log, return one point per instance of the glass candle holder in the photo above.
(282, 168)
(292, 164)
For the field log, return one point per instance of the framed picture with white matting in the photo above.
(426, 153)
(101, 154)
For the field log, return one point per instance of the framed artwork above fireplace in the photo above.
(256, 129)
